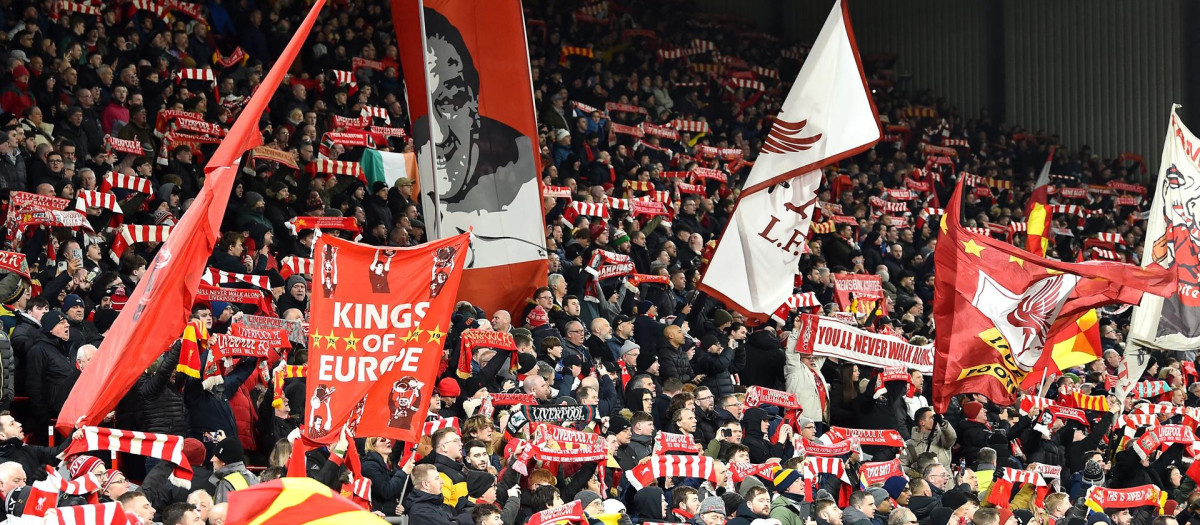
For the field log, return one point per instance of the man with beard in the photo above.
(476, 457)
(597, 343)
(484, 168)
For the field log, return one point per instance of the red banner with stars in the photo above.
(378, 320)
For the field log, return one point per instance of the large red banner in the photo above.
(466, 69)
(158, 308)
(378, 319)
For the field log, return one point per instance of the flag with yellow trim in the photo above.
(995, 305)
(295, 501)
(1071, 344)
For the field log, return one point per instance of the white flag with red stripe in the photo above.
(827, 116)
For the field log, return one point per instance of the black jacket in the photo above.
(752, 437)
(386, 483)
(424, 508)
(50, 376)
(765, 361)
(716, 369)
(163, 410)
(31, 457)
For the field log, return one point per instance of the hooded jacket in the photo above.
(752, 436)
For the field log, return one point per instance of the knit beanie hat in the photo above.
(712, 504)
(537, 317)
(785, 478)
(478, 483)
(586, 497)
(82, 465)
(721, 317)
(619, 238)
(229, 450)
(971, 409)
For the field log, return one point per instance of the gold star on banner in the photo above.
(351, 342)
(1052, 271)
(416, 333)
(974, 248)
(1020, 262)
(315, 337)
(331, 340)
(406, 337)
(434, 335)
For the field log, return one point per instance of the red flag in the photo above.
(294, 501)
(995, 304)
(1037, 211)
(379, 316)
(163, 298)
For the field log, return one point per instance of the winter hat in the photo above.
(194, 451)
(252, 199)
(646, 360)
(596, 230)
(972, 409)
(478, 483)
(629, 346)
(164, 218)
(707, 342)
(104, 318)
(803, 422)
(448, 387)
(824, 495)
(879, 494)
(644, 306)
(72, 301)
(1023, 516)
(733, 500)
(1092, 472)
(1005, 514)
(712, 504)
(12, 287)
(561, 134)
(586, 497)
(229, 450)
(20, 71)
(537, 317)
(785, 478)
(617, 424)
(619, 237)
(83, 464)
(293, 280)
(720, 317)
(109, 476)
(953, 499)
(894, 486)
(51, 319)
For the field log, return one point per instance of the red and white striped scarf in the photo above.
(672, 466)
(429, 427)
(76, 7)
(590, 209)
(694, 126)
(162, 446)
(360, 489)
(85, 199)
(195, 73)
(148, 5)
(377, 112)
(1029, 403)
(765, 72)
(338, 167)
(126, 182)
(748, 84)
(343, 77)
(135, 233)
(84, 484)
(296, 265)
(216, 277)
(96, 514)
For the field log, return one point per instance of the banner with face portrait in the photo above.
(466, 67)
(379, 318)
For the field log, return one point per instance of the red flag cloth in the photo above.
(164, 296)
(995, 304)
(378, 319)
(294, 501)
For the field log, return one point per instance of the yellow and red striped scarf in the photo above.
(288, 371)
(195, 339)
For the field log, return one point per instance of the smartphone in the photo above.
(77, 253)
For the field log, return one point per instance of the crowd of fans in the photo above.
(649, 358)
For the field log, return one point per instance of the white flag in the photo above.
(828, 116)
(1173, 241)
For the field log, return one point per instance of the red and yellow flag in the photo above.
(995, 306)
(1037, 213)
(1071, 344)
(295, 501)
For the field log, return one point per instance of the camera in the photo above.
(726, 432)
(938, 419)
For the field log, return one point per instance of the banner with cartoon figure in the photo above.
(377, 323)
(1172, 241)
